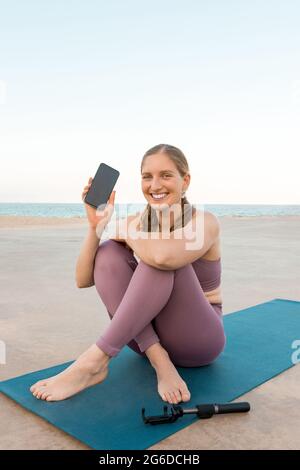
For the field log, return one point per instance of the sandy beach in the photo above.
(46, 320)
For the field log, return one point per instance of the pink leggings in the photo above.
(149, 305)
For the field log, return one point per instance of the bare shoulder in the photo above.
(210, 220)
(213, 220)
(212, 228)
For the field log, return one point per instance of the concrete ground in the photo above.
(260, 260)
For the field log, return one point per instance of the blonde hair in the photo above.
(148, 218)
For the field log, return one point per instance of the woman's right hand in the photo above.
(94, 216)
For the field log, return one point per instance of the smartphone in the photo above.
(102, 185)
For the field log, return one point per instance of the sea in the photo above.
(77, 209)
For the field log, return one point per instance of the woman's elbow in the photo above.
(82, 285)
(161, 262)
(79, 284)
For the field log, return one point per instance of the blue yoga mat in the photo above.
(108, 415)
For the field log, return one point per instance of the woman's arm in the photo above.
(171, 253)
(143, 248)
(198, 239)
(85, 263)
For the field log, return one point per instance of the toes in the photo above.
(38, 384)
(185, 393)
(44, 395)
(169, 397)
(186, 396)
(173, 397)
(49, 398)
(39, 392)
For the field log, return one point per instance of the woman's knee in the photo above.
(108, 255)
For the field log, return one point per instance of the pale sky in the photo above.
(103, 81)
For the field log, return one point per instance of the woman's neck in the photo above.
(169, 216)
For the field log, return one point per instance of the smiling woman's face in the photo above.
(160, 176)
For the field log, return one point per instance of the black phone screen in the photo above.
(102, 185)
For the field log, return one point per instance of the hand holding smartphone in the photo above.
(99, 192)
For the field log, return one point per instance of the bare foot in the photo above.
(171, 387)
(89, 369)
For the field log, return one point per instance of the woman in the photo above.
(166, 307)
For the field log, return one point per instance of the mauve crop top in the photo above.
(208, 273)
